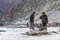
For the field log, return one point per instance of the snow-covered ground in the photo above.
(15, 34)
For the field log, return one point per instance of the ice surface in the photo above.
(15, 34)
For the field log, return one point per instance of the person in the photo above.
(32, 21)
(27, 25)
(44, 20)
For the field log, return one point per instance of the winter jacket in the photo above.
(44, 18)
(32, 18)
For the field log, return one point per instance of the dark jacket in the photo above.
(44, 18)
(32, 18)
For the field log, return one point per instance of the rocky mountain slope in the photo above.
(23, 10)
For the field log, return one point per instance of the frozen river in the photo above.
(15, 34)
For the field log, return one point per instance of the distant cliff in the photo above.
(22, 10)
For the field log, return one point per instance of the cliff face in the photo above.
(6, 5)
(23, 10)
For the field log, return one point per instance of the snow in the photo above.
(15, 34)
(55, 15)
(21, 22)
